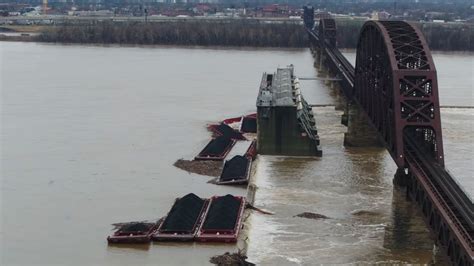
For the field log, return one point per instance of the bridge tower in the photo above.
(308, 16)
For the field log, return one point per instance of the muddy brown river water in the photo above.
(89, 135)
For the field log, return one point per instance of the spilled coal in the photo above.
(200, 167)
(222, 213)
(136, 227)
(184, 214)
(236, 168)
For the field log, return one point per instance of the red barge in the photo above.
(133, 233)
(226, 235)
(172, 233)
(232, 176)
(239, 120)
(224, 146)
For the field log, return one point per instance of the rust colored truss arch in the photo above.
(328, 30)
(396, 84)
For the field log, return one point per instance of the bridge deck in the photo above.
(338, 59)
(451, 200)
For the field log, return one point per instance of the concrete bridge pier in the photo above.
(359, 132)
(318, 58)
(401, 177)
(316, 52)
(344, 117)
(341, 102)
(321, 60)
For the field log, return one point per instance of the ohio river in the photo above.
(89, 135)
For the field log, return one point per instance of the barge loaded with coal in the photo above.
(191, 218)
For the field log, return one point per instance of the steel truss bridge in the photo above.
(395, 84)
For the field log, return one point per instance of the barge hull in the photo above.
(224, 236)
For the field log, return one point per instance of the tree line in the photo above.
(202, 33)
(440, 36)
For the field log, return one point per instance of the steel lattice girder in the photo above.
(396, 84)
(308, 16)
(327, 30)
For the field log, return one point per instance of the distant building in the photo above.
(382, 15)
(275, 10)
(435, 16)
(322, 15)
(90, 13)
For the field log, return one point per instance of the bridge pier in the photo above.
(318, 58)
(359, 132)
(401, 177)
(336, 90)
(345, 117)
(443, 230)
(341, 102)
(407, 228)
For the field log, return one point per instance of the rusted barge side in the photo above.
(225, 130)
(252, 150)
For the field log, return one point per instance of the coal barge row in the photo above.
(283, 125)
(191, 218)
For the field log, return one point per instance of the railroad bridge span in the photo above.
(394, 84)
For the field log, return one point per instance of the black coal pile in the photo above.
(249, 125)
(222, 213)
(236, 168)
(216, 146)
(136, 227)
(184, 214)
(227, 131)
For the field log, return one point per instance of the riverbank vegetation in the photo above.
(204, 33)
(251, 33)
(440, 36)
